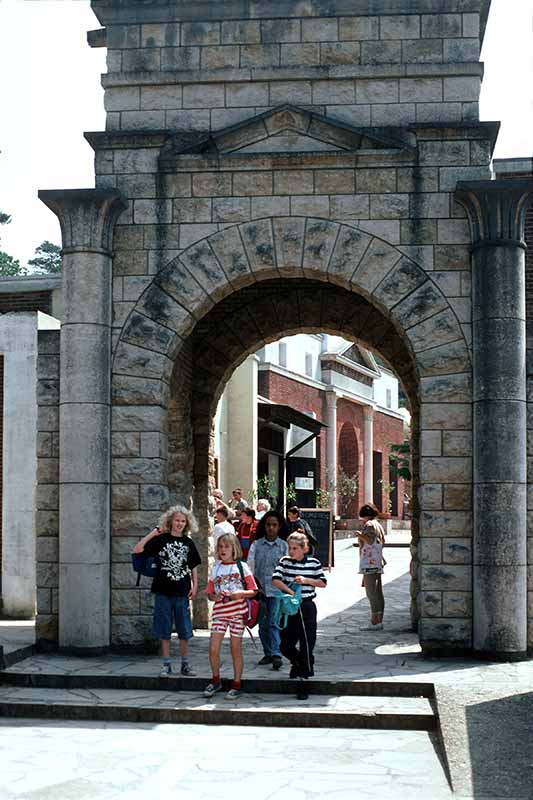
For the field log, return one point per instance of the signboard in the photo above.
(320, 521)
(304, 483)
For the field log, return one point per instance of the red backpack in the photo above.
(253, 606)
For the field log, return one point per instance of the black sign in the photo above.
(320, 521)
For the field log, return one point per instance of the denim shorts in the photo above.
(169, 610)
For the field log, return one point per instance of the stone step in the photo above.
(176, 683)
(275, 710)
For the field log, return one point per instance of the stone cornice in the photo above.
(139, 11)
(87, 217)
(327, 72)
(495, 210)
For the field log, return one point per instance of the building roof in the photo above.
(287, 416)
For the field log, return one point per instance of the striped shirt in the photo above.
(309, 567)
(227, 578)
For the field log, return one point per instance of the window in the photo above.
(389, 398)
(309, 364)
(282, 354)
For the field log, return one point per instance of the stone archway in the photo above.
(250, 284)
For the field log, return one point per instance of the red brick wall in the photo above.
(285, 391)
(350, 416)
(26, 301)
(1, 452)
(387, 431)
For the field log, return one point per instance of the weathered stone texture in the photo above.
(284, 197)
(47, 490)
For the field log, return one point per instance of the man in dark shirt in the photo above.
(297, 523)
(175, 583)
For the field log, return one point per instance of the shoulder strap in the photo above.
(241, 571)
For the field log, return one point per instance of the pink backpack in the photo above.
(253, 606)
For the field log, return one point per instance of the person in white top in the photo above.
(222, 525)
(262, 507)
(218, 496)
(371, 562)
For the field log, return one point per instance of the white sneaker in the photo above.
(166, 670)
(377, 627)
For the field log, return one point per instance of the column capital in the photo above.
(368, 412)
(496, 210)
(87, 217)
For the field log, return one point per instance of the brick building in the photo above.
(333, 382)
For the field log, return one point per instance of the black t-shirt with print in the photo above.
(176, 556)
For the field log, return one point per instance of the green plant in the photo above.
(388, 488)
(290, 494)
(322, 498)
(347, 486)
(251, 498)
(400, 460)
(266, 487)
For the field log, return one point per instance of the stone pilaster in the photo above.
(87, 218)
(331, 448)
(496, 212)
(368, 413)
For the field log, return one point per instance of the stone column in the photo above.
(368, 413)
(496, 212)
(87, 218)
(331, 449)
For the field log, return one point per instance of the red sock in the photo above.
(236, 685)
(216, 679)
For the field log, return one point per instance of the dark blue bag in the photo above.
(144, 565)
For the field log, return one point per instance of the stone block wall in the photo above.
(47, 494)
(386, 69)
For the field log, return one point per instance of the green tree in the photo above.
(47, 259)
(400, 459)
(9, 266)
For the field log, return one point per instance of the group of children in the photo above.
(280, 566)
(278, 562)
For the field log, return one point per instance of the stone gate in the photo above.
(271, 168)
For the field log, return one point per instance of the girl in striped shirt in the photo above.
(229, 590)
(299, 637)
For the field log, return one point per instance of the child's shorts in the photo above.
(235, 625)
(169, 610)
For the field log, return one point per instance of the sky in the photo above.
(50, 94)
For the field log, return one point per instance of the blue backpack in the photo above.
(286, 605)
(144, 565)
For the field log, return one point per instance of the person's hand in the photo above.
(300, 579)
(193, 593)
(138, 548)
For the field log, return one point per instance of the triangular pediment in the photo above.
(360, 355)
(290, 129)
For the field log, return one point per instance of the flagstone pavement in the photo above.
(484, 708)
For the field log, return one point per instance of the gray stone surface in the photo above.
(186, 242)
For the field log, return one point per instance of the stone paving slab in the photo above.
(105, 761)
(345, 654)
(191, 707)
